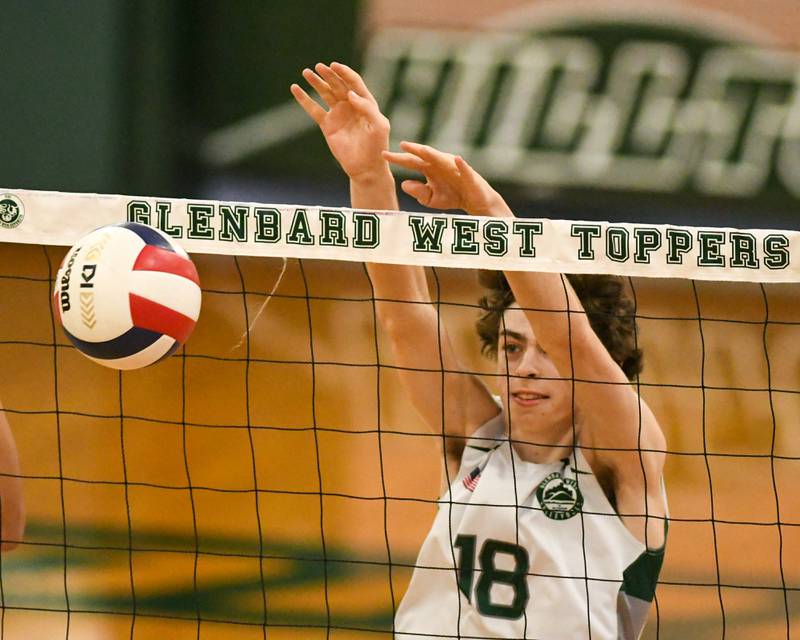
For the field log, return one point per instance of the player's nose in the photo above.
(529, 365)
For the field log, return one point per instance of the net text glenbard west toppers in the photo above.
(464, 236)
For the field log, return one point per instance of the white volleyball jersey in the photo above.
(525, 550)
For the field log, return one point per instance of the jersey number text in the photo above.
(490, 575)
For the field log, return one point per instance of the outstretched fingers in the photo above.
(316, 112)
(406, 160)
(336, 84)
(353, 80)
(320, 86)
(367, 108)
(429, 154)
(420, 191)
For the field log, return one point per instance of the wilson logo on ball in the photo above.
(138, 295)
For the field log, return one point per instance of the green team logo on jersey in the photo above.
(11, 211)
(559, 496)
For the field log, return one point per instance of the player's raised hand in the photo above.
(450, 183)
(354, 127)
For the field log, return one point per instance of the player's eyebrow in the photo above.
(505, 333)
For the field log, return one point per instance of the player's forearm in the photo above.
(545, 297)
(401, 291)
(496, 207)
(376, 191)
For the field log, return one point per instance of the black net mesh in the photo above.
(275, 481)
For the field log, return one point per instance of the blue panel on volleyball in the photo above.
(149, 235)
(129, 343)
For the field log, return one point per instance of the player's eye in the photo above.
(510, 347)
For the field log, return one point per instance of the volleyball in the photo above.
(127, 295)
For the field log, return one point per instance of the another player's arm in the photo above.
(357, 133)
(621, 438)
(12, 503)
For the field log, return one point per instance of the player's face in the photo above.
(537, 399)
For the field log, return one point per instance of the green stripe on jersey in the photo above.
(641, 577)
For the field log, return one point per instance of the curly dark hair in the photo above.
(610, 311)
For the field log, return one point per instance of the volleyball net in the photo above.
(271, 479)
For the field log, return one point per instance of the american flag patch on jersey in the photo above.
(471, 480)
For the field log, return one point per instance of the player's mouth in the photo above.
(528, 398)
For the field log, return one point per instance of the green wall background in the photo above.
(114, 95)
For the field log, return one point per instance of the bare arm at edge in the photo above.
(12, 501)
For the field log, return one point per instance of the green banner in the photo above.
(625, 106)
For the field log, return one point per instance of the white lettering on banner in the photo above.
(559, 111)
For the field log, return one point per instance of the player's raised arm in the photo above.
(357, 134)
(619, 435)
(12, 503)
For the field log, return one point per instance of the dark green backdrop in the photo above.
(115, 95)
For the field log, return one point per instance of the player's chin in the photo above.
(526, 420)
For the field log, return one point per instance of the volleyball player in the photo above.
(12, 503)
(554, 523)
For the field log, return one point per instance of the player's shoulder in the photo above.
(485, 439)
(491, 431)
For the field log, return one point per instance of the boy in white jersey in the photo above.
(554, 526)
